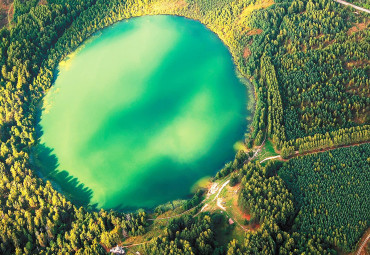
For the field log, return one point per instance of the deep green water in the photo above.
(142, 111)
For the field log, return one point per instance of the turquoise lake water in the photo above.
(140, 112)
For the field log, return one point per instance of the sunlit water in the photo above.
(140, 112)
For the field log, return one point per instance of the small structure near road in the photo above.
(117, 250)
(231, 221)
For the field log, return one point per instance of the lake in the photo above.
(140, 112)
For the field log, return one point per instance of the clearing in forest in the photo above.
(6, 12)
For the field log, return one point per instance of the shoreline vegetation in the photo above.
(311, 88)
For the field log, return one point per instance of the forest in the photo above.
(321, 64)
(308, 61)
(361, 3)
(266, 196)
(331, 193)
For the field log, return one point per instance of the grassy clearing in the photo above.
(226, 232)
(268, 150)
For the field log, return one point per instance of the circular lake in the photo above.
(141, 112)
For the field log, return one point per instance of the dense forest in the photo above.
(309, 63)
(331, 195)
(267, 198)
(187, 235)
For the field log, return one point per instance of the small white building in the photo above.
(117, 250)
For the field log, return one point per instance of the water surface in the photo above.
(140, 112)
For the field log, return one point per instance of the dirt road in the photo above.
(353, 6)
(363, 245)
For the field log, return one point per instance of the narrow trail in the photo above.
(272, 157)
(363, 245)
(219, 201)
(296, 153)
(327, 149)
(258, 149)
(353, 6)
(135, 244)
(201, 210)
(8, 14)
(219, 191)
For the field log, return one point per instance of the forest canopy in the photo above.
(331, 194)
(308, 61)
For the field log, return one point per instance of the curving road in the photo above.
(263, 160)
(222, 187)
(353, 6)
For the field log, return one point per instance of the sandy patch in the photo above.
(43, 2)
(6, 12)
(247, 52)
(358, 27)
(254, 32)
(358, 63)
(240, 211)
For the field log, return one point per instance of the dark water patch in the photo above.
(46, 162)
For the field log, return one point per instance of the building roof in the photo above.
(231, 221)
(117, 250)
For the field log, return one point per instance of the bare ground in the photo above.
(6, 12)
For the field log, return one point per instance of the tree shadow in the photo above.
(46, 163)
